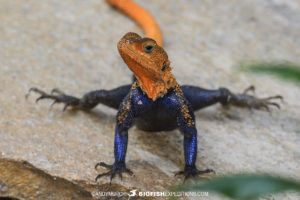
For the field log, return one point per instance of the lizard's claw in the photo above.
(248, 89)
(57, 96)
(117, 168)
(190, 172)
(250, 101)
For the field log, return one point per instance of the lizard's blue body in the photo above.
(162, 114)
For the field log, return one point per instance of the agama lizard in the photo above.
(154, 102)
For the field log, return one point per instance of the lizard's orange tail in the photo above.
(140, 16)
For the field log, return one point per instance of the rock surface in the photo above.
(72, 45)
(21, 180)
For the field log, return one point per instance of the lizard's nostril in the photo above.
(164, 67)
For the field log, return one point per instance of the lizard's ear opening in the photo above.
(164, 67)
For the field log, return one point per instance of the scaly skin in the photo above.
(155, 102)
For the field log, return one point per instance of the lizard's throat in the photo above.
(153, 85)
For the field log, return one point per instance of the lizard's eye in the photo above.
(148, 48)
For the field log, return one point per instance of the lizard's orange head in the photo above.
(149, 63)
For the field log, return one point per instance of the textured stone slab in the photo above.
(72, 45)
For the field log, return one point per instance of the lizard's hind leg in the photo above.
(111, 98)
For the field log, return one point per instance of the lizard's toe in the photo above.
(117, 168)
(267, 102)
(57, 96)
(245, 100)
(248, 89)
(190, 172)
(103, 164)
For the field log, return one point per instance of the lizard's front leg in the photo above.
(124, 122)
(245, 100)
(111, 98)
(119, 166)
(201, 98)
(190, 154)
(186, 123)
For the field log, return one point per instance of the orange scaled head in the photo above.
(149, 63)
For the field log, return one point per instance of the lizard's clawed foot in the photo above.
(250, 101)
(117, 168)
(57, 96)
(192, 171)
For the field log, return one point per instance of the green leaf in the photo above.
(287, 70)
(244, 187)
